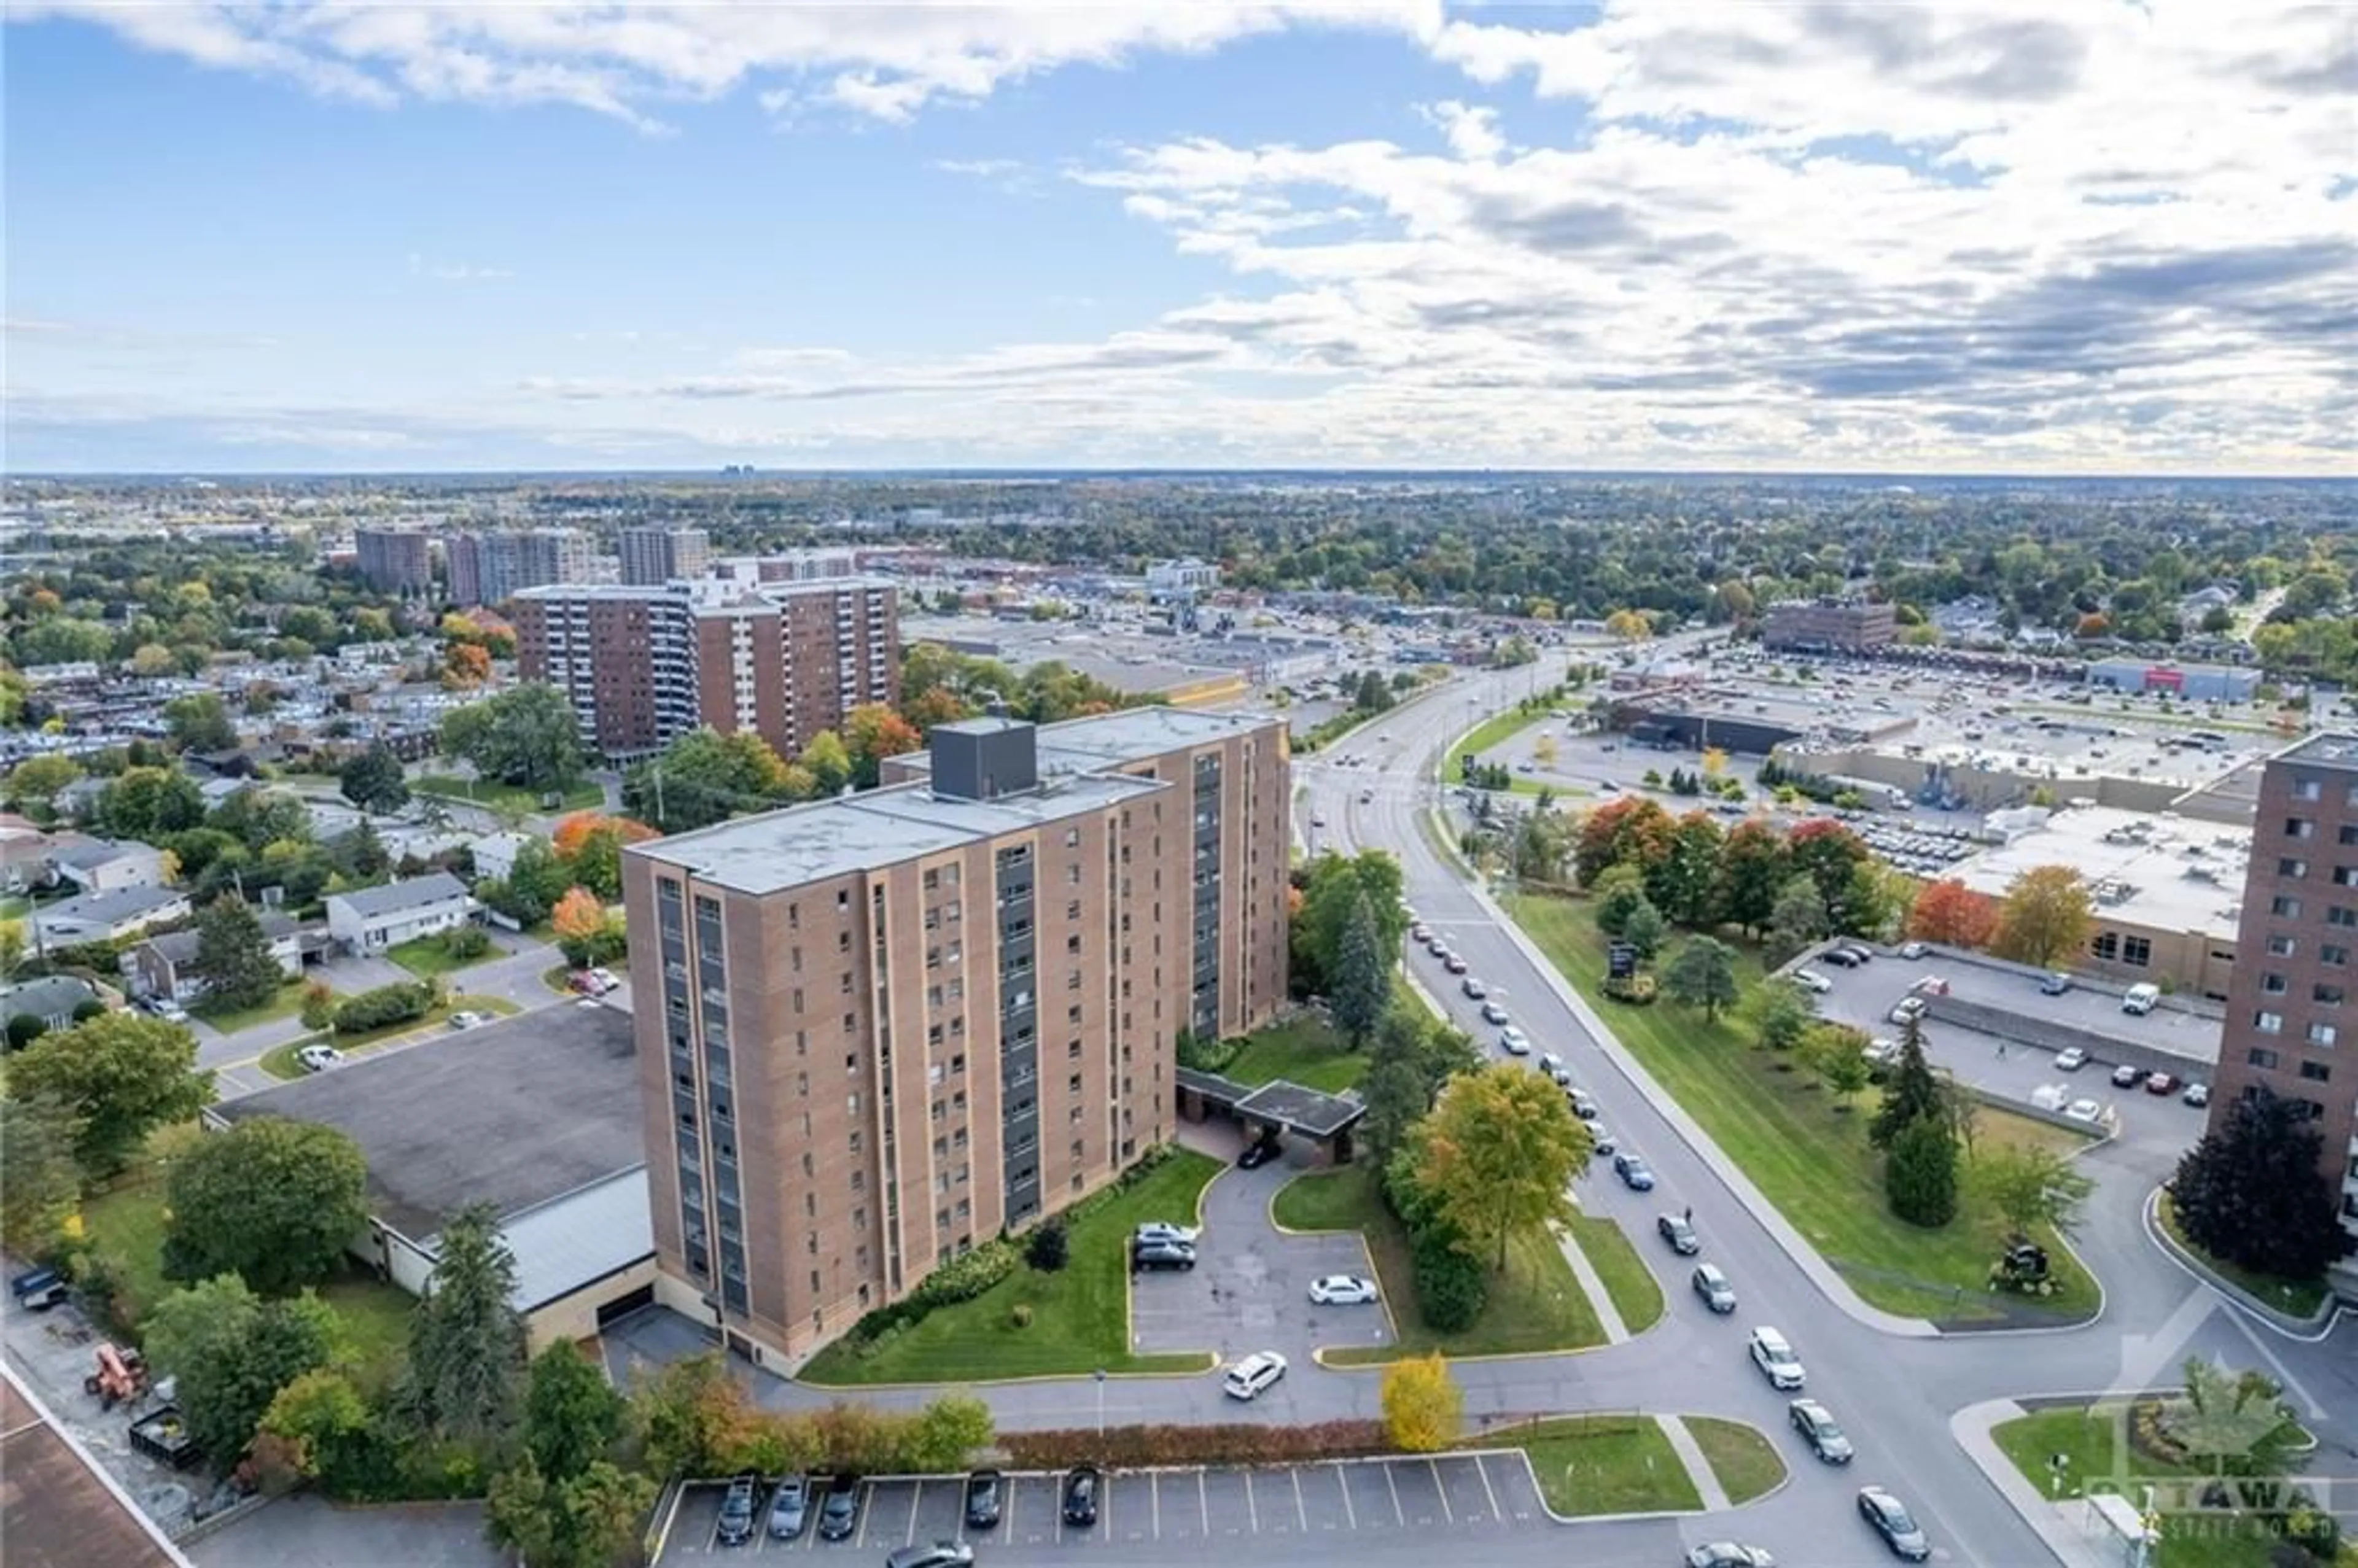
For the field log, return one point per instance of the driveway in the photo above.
(1250, 1287)
(352, 973)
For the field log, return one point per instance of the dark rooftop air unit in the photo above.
(984, 759)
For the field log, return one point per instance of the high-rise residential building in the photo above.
(789, 566)
(875, 1031)
(652, 555)
(486, 568)
(645, 664)
(2291, 993)
(394, 560)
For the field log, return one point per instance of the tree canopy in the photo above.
(233, 1351)
(1499, 1154)
(2045, 916)
(272, 1201)
(527, 736)
(2251, 1193)
(120, 1076)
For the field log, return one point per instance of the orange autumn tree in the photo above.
(584, 930)
(577, 829)
(1950, 913)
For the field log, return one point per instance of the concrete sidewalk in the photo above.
(1971, 1427)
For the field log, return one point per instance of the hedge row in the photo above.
(1450, 1288)
(396, 1003)
(1135, 1447)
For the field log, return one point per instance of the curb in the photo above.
(2305, 1330)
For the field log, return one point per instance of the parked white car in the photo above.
(1514, 1041)
(1160, 1230)
(318, 1058)
(1255, 1372)
(2071, 1059)
(1342, 1290)
(1775, 1358)
(1811, 980)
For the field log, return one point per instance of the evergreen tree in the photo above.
(234, 957)
(1361, 987)
(1912, 1094)
(1920, 1173)
(1703, 975)
(2251, 1193)
(466, 1342)
(1644, 929)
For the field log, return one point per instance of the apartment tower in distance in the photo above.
(2291, 993)
(875, 1031)
(394, 560)
(655, 556)
(644, 665)
(486, 568)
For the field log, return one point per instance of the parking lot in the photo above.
(1250, 1287)
(1457, 1498)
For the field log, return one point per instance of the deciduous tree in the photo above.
(1950, 913)
(1631, 831)
(2045, 916)
(1781, 1016)
(1798, 919)
(2250, 1191)
(39, 1175)
(1423, 1407)
(572, 1415)
(706, 777)
(1685, 885)
(1333, 885)
(872, 732)
(200, 722)
(231, 1351)
(527, 736)
(373, 779)
(584, 1521)
(120, 1076)
(829, 761)
(1703, 975)
(2029, 1187)
(1644, 929)
(272, 1201)
(1752, 866)
(1499, 1154)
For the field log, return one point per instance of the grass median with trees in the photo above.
(1033, 1323)
(279, 1060)
(1776, 1120)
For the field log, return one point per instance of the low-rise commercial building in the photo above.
(2195, 683)
(1818, 625)
(537, 1117)
(878, 1030)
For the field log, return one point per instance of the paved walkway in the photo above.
(1691, 1454)
(1971, 1427)
(1608, 1314)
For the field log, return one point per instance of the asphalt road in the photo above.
(1894, 1394)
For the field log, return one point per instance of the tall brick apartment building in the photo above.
(2295, 988)
(874, 1032)
(645, 664)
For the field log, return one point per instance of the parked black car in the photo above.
(984, 1492)
(838, 1516)
(1892, 1521)
(736, 1526)
(1081, 1484)
(1260, 1152)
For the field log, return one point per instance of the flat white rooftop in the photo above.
(2167, 872)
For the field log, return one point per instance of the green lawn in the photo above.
(1627, 1279)
(1810, 1160)
(2298, 1298)
(1080, 1316)
(2086, 1436)
(1536, 1305)
(279, 1060)
(1589, 1465)
(128, 1225)
(284, 1003)
(1304, 1050)
(427, 957)
(582, 796)
(1744, 1462)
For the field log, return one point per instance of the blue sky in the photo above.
(403, 238)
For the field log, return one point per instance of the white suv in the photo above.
(1776, 1360)
(1249, 1376)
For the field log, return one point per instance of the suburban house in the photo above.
(52, 1000)
(107, 865)
(165, 966)
(496, 853)
(370, 920)
(108, 916)
(24, 856)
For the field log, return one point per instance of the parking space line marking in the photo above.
(1012, 1486)
(1154, 1496)
(1251, 1505)
(1204, 1501)
(1344, 1481)
(1447, 1512)
(1299, 1513)
(1105, 1506)
(1393, 1487)
(1483, 1471)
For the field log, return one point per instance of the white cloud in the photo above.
(884, 60)
(456, 272)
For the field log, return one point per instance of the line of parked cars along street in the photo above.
(1768, 1347)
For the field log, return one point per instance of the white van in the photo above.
(2140, 999)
